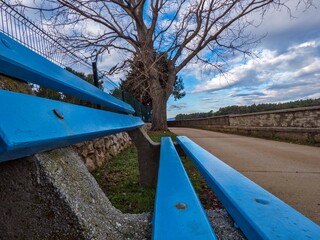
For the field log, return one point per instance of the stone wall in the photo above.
(95, 152)
(301, 125)
(201, 122)
(308, 117)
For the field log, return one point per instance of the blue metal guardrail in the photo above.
(258, 213)
(30, 124)
(178, 213)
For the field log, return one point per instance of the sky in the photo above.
(287, 68)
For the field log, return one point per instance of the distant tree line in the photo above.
(229, 110)
(195, 115)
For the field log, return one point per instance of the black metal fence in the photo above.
(17, 26)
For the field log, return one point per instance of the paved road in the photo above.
(289, 171)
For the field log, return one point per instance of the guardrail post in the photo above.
(95, 74)
(148, 156)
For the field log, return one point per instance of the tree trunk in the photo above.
(159, 92)
(159, 111)
(160, 95)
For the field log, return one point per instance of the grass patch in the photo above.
(157, 135)
(119, 179)
(204, 192)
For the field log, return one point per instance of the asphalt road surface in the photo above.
(289, 171)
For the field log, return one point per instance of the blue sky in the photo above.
(287, 68)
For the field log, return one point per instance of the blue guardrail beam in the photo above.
(20, 62)
(258, 213)
(178, 212)
(31, 124)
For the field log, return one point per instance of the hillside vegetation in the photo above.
(251, 109)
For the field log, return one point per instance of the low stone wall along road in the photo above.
(289, 171)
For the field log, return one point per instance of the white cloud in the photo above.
(300, 62)
(178, 106)
(284, 30)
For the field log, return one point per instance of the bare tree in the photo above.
(135, 84)
(179, 30)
